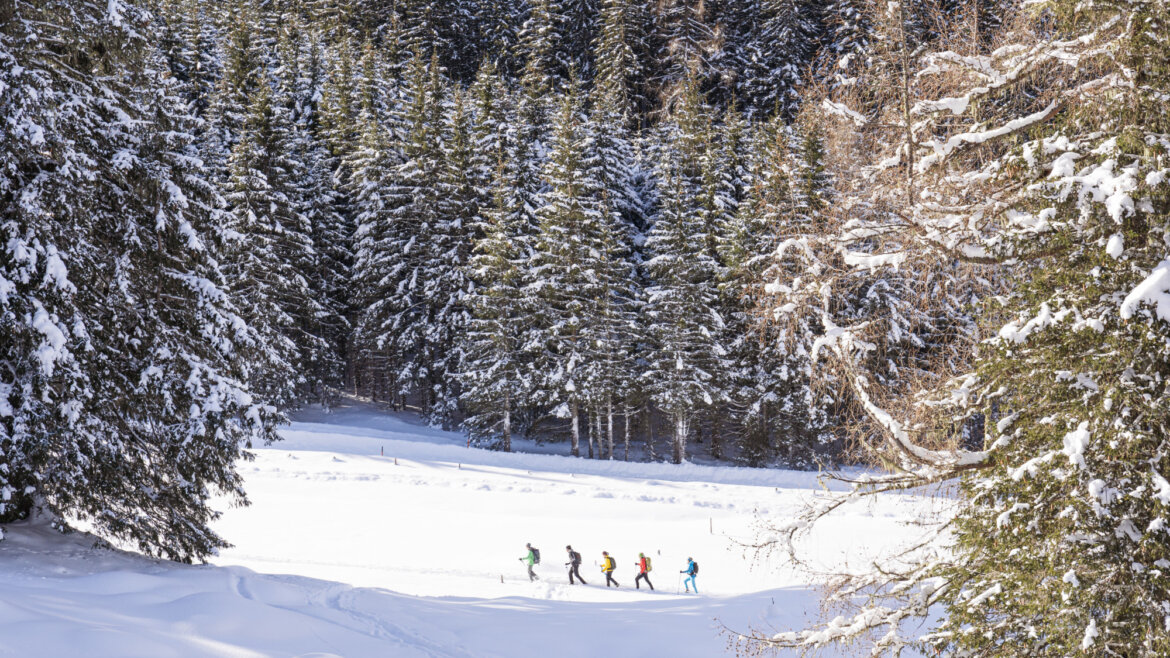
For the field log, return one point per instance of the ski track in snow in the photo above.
(346, 553)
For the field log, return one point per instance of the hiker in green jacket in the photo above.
(530, 560)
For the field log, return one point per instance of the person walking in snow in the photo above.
(574, 564)
(643, 565)
(607, 567)
(530, 560)
(691, 571)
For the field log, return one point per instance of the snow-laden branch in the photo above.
(1018, 64)
(842, 110)
(931, 463)
(942, 149)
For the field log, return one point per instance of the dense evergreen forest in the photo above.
(551, 218)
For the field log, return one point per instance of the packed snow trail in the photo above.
(347, 551)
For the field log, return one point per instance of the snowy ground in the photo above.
(370, 535)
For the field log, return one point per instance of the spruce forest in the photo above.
(929, 239)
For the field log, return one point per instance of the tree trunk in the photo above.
(650, 431)
(507, 423)
(680, 437)
(609, 429)
(627, 432)
(576, 429)
(597, 431)
(716, 431)
(906, 115)
(589, 427)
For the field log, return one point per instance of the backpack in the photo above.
(610, 565)
(574, 558)
(536, 555)
(647, 564)
(694, 568)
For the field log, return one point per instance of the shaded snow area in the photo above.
(347, 551)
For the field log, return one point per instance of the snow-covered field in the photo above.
(370, 535)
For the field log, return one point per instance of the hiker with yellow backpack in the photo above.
(607, 567)
(643, 565)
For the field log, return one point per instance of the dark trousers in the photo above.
(643, 576)
(609, 579)
(573, 572)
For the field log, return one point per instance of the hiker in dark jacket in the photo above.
(574, 564)
(607, 566)
(643, 565)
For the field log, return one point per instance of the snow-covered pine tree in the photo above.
(447, 257)
(686, 355)
(569, 270)
(497, 27)
(579, 24)
(121, 402)
(376, 262)
(496, 375)
(777, 412)
(243, 60)
(188, 39)
(443, 28)
(780, 47)
(527, 133)
(847, 38)
(340, 102)
(611, 164)
(314, 195)
(492, 116)
(539, 43)
(495, 371)
(619, 69)
(683, 43)
(403, 317)
(270, 251)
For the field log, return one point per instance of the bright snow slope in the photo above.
(346, 552)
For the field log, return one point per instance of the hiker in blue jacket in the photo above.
(691, 571)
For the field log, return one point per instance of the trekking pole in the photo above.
(678, 585)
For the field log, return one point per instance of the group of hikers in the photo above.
(608, 566)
